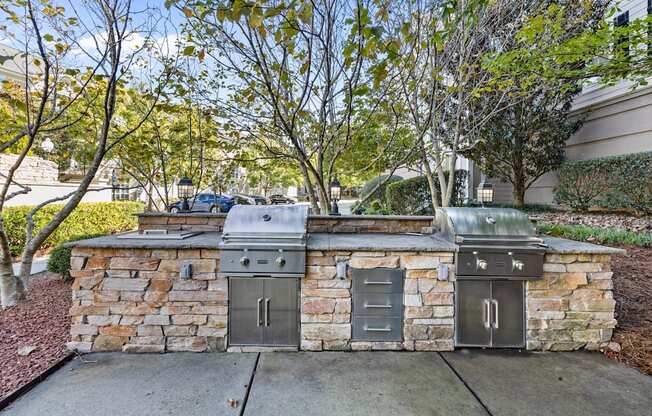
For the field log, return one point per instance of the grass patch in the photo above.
(597, 235)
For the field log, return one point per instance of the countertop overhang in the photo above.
(339, 242)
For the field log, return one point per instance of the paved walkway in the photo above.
(331, 384)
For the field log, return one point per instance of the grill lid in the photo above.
(255, 222)
(484, 223)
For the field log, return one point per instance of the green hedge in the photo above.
(88, 218)
(412, 196)
(375, 204)
(618, 182)
(614, 236)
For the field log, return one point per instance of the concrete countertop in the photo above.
(564, 246)
(340, 241)
(378, 242)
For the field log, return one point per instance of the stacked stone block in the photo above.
(134, 301)
(326, 301)
(572, 307)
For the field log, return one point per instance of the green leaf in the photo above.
(48, 37)
(188, 50)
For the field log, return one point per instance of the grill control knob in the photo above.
(280, 261)
(517, 265)
(244, 261)
(481, 264)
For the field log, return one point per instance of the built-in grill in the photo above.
(263, 253)
(497, 251)
(264, 241)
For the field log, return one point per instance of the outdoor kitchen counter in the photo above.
(378, 242)
(564, 246)
(316, 241)
(340, 241)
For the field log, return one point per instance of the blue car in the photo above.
(206, 203)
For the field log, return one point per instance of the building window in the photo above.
(622, 45)
(120, 192)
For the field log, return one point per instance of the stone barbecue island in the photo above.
(366, 283)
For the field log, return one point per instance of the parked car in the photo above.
(242, 200)
(259, 200)
(281, 199)
(206, 203)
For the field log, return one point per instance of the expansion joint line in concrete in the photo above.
(459, 376)
(251, 381)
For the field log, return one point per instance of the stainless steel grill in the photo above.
(497, 252)
(493, 242)
(264, 241)
(263, 253)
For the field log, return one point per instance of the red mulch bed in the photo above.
(633, 293)
(41, 321)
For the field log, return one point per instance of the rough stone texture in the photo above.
(316, 223)
(326, 302)
(132, 300)
(572, 307)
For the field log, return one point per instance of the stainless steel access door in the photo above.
(246, 296)
(263, 311)
(281, 317)
(490, 313)
(473, 323)
(507, 314)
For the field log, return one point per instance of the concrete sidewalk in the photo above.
(361, 383)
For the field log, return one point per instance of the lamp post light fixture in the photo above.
(336, 192)
(185, 191)
(485, 192)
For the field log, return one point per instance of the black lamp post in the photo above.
(336, 191)
(185, 191)
(485, 192)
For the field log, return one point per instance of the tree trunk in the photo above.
(519, 191)
(434, 193)
(12, 289)
(518, 178)
(311, 190)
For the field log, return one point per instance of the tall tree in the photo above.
(299, 72)
(54, 37)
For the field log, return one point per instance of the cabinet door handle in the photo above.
(486, 313)
(377, 329)
(495, 303)
(378, 306)
(258, 322)
(371, 282)
(267, 311)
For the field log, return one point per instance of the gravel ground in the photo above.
(633, 293)
(627, 222)
(42, 322)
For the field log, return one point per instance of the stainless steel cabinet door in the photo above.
(473, 320)
(246, 303)
(507, 314)
(280, 312)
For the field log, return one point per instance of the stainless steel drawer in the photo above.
(377, 304)
(371, 328)
(379, 280)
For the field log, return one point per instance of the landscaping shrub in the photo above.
(617, 182)
(375, 204)
(59, 258)
(88, 218)
(598, 235)
(412, 196)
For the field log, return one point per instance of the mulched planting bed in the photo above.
(633, 293)
(41, 321)
(606, 220)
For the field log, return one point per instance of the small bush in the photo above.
(59, 259)
(88, 218)
(618, 182)
(412, 196)
(375, 203)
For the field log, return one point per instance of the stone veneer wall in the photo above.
(134, 301)
(572, 307)
(326, 302)
(316, 223)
